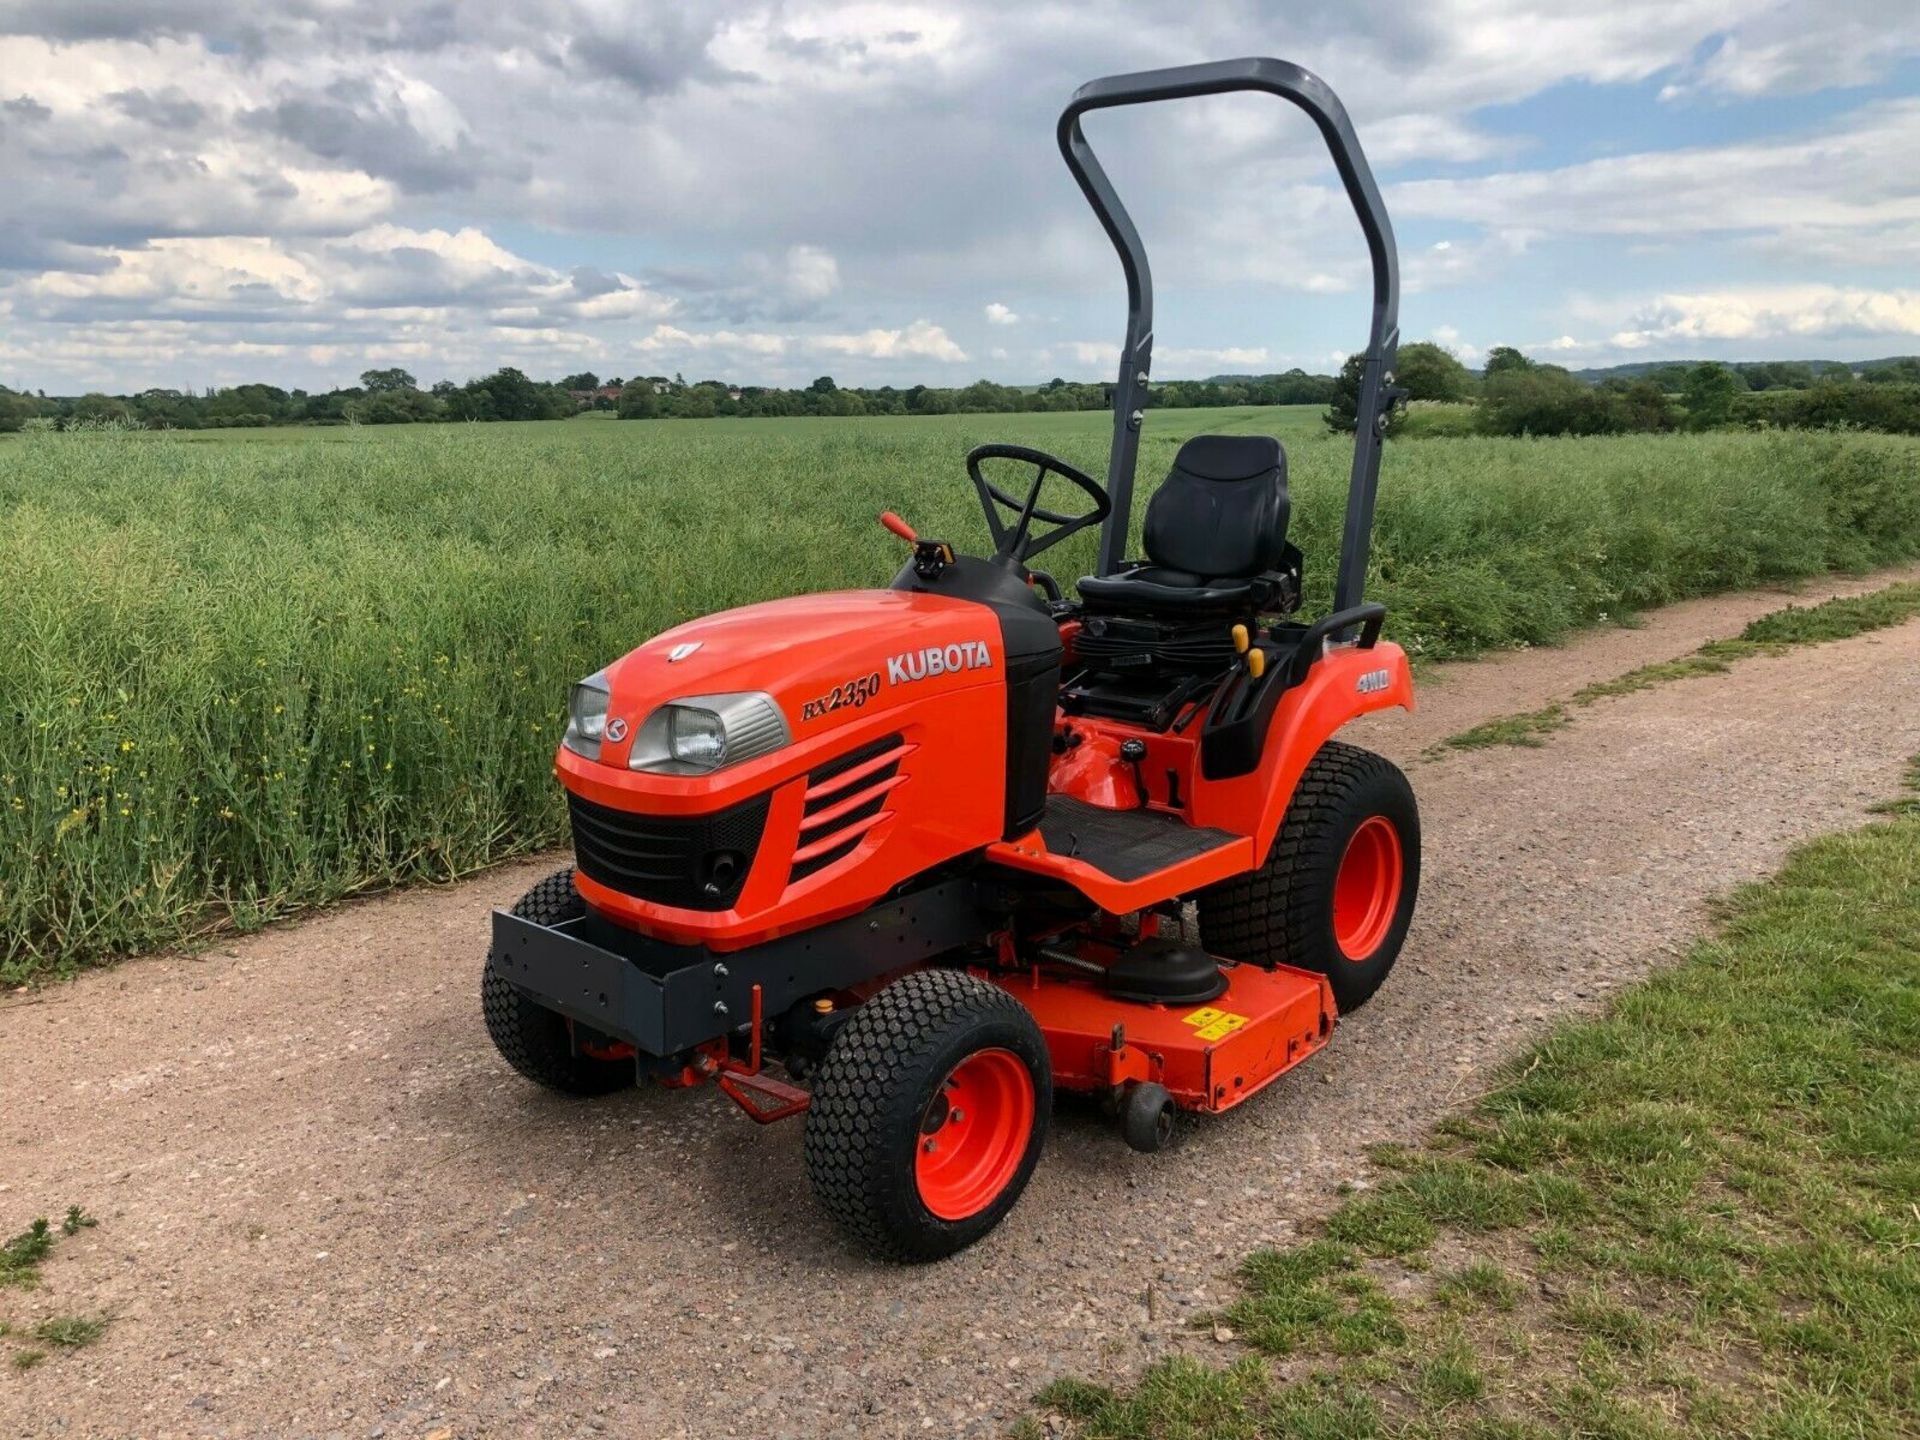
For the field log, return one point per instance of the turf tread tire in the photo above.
(531, 1038)
(1282, 913)
(863, 1124)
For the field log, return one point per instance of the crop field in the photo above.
(251, 671)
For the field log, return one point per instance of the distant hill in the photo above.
(1631, 371)
(1638, 368)
(1295, 373)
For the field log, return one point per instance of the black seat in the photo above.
(1216, 531)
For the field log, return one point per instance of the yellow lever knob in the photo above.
(1240, 640)
(1257, 663)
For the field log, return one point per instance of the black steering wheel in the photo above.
(1016, 542)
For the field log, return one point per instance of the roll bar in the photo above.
(1310, 93)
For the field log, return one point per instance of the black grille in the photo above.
(695, 862)
(865, 810)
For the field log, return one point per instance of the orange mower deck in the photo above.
(1209, 1057)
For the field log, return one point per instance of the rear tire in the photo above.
(531, 1038)
(1337, 891)
(928, 1115)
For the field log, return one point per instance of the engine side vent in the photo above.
(845, 799)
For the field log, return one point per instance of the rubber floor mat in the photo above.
(1126, 844)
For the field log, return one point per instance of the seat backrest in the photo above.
(1223, 509)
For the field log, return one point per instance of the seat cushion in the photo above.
(1222, 509)
(1152, 588)
(1215, 526)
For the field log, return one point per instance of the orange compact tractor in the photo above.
(931, 846)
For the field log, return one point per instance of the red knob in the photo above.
(898, 526)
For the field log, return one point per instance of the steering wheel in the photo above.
(1016, 542)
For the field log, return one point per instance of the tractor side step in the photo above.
(1125, 844)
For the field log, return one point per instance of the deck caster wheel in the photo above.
(928, 1114)
(1147, 1117)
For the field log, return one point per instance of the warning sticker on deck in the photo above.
(1211, 1024)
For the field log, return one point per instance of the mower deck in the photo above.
(1209, 1057)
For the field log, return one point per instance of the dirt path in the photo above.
(328, 1209)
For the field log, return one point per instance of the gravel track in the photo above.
(327, 1208)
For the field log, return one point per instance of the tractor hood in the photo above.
(823, 658)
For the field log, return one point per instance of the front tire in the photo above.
(928, 1115)
(531, 1038)
(1336, 893)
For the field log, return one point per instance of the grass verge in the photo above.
(1695, 1216)
(1771, 634)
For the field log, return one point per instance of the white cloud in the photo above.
(669, 339)
(1099, 354)
(1449, 339)
(319, 180)
(180, 276)
(1855, 175)
(666, 345)
(1448, 262)
(812, 274)
(417, 274)
(922, 339)
(1771, 313)
(1790, 49)
(1193, 360)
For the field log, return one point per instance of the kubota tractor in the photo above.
(931, 846)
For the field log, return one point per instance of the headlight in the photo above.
(587, 716)
(696, 737)
(703, 733)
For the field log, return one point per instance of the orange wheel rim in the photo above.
(1366, 890)
(974, 1134)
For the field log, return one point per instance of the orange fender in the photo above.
(1345, 683)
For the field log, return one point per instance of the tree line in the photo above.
(394, 397)
(1513, 395)
(651, 398)
(383, 397)
(1517, 395)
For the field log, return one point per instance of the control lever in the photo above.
(1255, 657)
(930, 557)
(1133, 751)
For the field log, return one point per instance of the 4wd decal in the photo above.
(1374, 681)
(938, 660)
(855, 693)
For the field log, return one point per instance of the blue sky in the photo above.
(199, 193)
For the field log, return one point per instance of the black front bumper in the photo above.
(663, 999)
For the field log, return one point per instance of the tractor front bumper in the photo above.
(664, 999)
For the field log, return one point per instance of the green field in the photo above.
(251, 670)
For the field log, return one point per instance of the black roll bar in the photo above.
(1310, 93)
